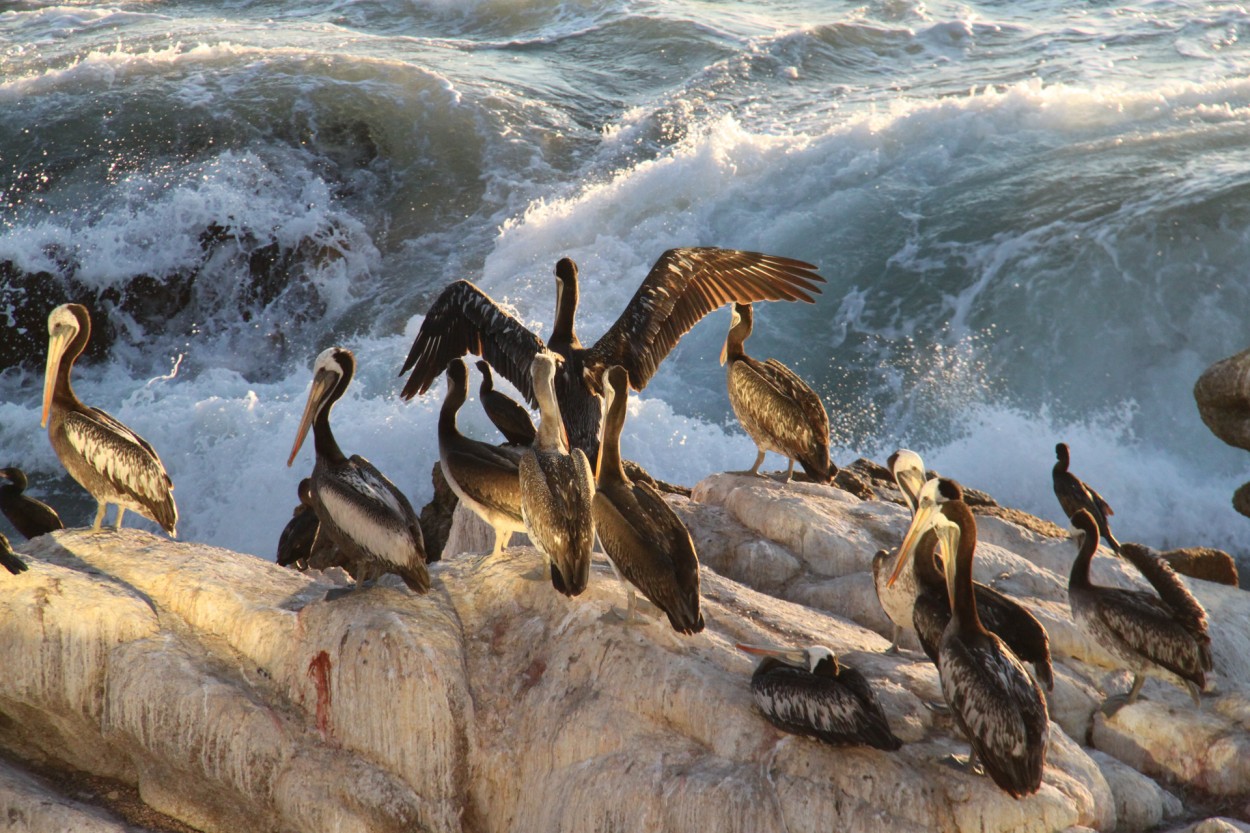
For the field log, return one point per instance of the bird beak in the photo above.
(323, 383)
(724, 353)
(920, 523)
(792, 656)
(58, 342)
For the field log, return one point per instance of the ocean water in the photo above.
(1032, 217)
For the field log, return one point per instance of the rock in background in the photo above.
(232, 696)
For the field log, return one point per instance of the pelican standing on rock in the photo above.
(1000, 708)
(107, 459)
(899, 598)
(485, 477)
(648, 544)
(557, 490)
(30, 517)
(1167, 631)
(1074, 494)
(367, 519)
(931, 608)
(776, 408)
(508, 415)
(683, 286)
(806, 691)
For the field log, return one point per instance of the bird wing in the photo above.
(796, 389)
(683, 286)
(487, 475)
(1185, 609)
(1018, 628)
(390, 494)
(464, 319)
(1150, 628)
(125, 459)
(823, 707)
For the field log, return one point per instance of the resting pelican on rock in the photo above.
(30, 517)
(683, 286)
(806, 691)
(1074, 494)
(1167, 631)
(508, 415)
(648, 544)
(485, 477)
(107, 459)
(776, 408)
(295, 544)
(368, 520)
(557, 490)
(1000, 708)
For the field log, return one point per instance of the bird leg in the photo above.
(972, 761)
(898, 634)
(790, 471)
(755, 469)
(117, 522)
(1138, 679)
(99, 517)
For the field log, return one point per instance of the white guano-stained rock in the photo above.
(235, 696)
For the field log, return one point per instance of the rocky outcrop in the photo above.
(1223, 396)
(233, 695)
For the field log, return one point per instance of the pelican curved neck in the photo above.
(563, 338)
(736, 339)
(1079, 576)
(456, 396)
(63, 389)
(323, 438)
(610, 467)
(959, 576)
(550, 433)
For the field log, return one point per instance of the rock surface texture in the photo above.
(234, 696)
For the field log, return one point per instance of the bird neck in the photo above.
(926, 566)
(488, 383)
(550, 435)
(963, 598)
(451, 406)
(323, 438)
(1079, 576)
(736, 339)
(563, 337)
(610, 468)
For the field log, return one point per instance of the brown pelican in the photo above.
(295, 544)
(931, 609)
(30, 517)
(367, 519)
(805, 691)
(485, 477)
(508, 415)
(777, 408)
(647, 542)
(1074, 494)
(683, 286)
(898, 598)
(1000, 708)
(9, 559)
(107, 459)
(557, 490)
(1166, 631)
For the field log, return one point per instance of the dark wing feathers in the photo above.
(487, 475)
(1018, 628)
(683, 286)
(797, 701)
(799, 391)
(1188, 612)
(1150, 628)
(463, 319)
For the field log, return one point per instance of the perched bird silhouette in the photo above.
(29, 517)
(1074, 494)
(508, 415)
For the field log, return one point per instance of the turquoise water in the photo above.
(1032, 217)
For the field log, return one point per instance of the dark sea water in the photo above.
(1032, 217)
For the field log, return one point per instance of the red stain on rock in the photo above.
(319, 670)
(530, 676)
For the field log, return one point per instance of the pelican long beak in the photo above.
(323, 383)
(724, 353)
(948, 543)
(58, 342)
(921, 522)
(792, 656)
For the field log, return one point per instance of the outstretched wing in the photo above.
(464, 319)
(684, 285)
